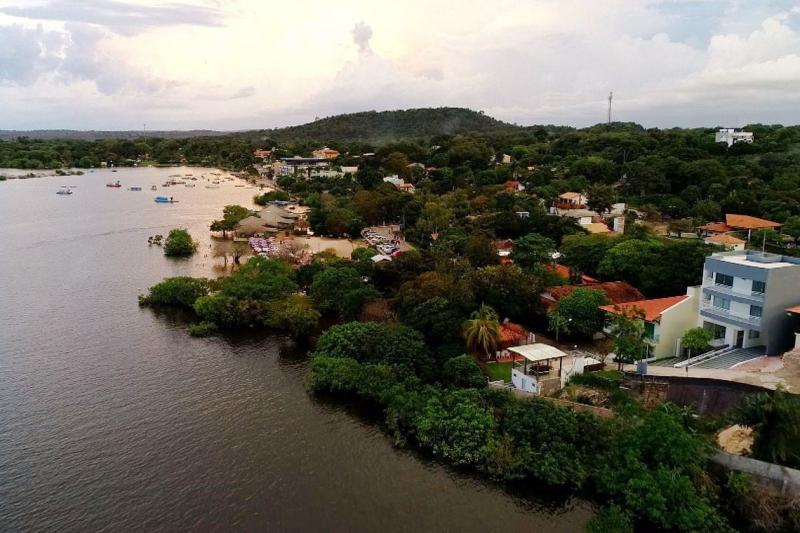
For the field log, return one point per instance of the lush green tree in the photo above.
(600, 198)
(578, 313)
(508, 289)
(371, 342)
(480, 250)
(339, 289)
(267, 197)
(775, 417)
(295, 314)
(463, 372)
(260, 279)
(482, 331)
(231, 216)
(532, 251)
(792, 228)
(584, 253)
(180, 291)
(455, 426)
(654, 468)
(627, 329)
(179, 244)
(695, 340)
(438, 319)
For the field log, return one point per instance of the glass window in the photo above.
(759, 286)
(717, 331)
(649, 330)
(756, 310)
(722, 303)
(753, 334)
(724, 279)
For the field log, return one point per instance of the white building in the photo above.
(744, 299)
(730, 136)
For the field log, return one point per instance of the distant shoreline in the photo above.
(25, 173)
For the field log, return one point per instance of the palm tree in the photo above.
(482, 331)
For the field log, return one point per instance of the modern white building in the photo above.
(744, 298)
(730, 136)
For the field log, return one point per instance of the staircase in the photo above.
(731, 357)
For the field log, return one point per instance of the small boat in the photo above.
(209, 186)
(153, 188)
(135, 188)
(115, 185)
(165, 184)
(239, 185)
(165, 200)
(64, 191)
(190, 185)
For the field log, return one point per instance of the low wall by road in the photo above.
(780, 478)
(581, 407)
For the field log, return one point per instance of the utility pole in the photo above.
(610, 97)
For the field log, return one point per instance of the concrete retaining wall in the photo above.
(705, 395)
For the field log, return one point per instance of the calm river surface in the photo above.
(113, 418)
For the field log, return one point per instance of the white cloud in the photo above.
(253, 63)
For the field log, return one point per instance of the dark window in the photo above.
(756, 310)
(759, 286)
(724, 279)
(717, 331)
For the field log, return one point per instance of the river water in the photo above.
(113, 418)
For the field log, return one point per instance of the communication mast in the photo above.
(610, 97)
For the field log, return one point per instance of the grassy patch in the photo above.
(498, 371)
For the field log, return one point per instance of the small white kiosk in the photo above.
(536, 368)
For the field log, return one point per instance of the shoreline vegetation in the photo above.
(645, 468)
(408, 336)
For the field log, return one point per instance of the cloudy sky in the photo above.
(235, 64)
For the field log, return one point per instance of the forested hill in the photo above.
(378, 127)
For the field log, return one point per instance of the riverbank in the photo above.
(114, 418)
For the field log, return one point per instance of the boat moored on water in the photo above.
(165, 200)
(135, 188)
(64, 190)
(114, 185)
(153, 188)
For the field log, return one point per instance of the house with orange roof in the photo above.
(729, 242)
(325, 153)
(617, 292)
(665, 320)
(565, 273)
(514, 186)
(742, 224)
(571, 200)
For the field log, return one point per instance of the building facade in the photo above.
(730, 136)
(744, 298)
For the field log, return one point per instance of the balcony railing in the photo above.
(750, 319)
(728, 289)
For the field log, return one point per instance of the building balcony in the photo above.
(728, 290)
(723, 313)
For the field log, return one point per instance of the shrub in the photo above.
(180, 291)
(455, 425)
(268, 197)
(371, 342)
(295, 314)
(227, 312)
(595, 379)
(203, 329)
(462, 372)
(179, 244)
(611, 519)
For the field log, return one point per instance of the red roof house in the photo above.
(618, 292)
